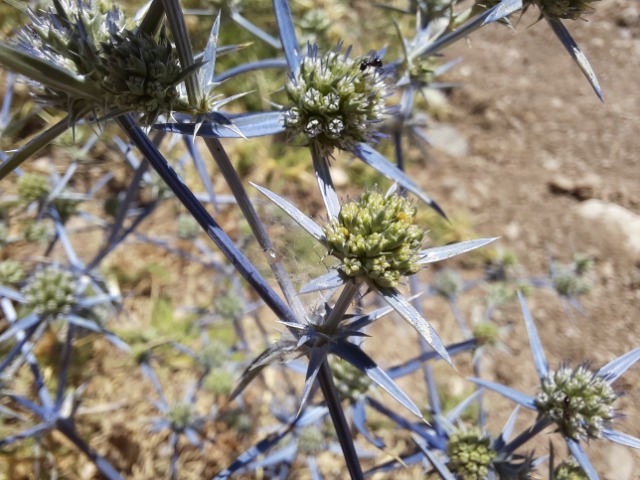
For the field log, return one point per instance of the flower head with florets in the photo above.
(569, 469)
(69, 36)
(51, 291)
(335, 100)
(140, 73)
(470, 454)
(578, 401)
(565, 9)
(375, 238)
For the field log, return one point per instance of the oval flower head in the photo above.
(335, 99)
(565, 9)
(140, 73)
(376, 239)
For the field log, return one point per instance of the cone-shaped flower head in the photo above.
(140, 73)
(181, 416)
(569, 469)
(11, 272)
(350, 382)
(33, 187)
(470, 454)
(51, 291)
(336, 99)
(375, 238)
(565, 9)
(578, 401)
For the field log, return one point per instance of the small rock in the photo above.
(617, 221)
(448, 139)
(584, 188)
(512, 231)
(629, 17)
(561, 184)
(339, 177)
(620, 463)
(587, 186)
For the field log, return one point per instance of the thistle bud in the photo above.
(350, 382)
(569, 469)
(565, 9)
(578, 401)
(375, 238)
(11, 272)
(181, 416)
(139, 73)
(470, 454)
(335, 100)
(33, 187)
(51, 291)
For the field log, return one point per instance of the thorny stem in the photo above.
(339, 421)
(325, 183)
(527, 435)
(178, 27)
(194, 92)
(240, 262)
(342, 304)
(257, 227)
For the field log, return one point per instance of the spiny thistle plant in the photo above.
(107, 71)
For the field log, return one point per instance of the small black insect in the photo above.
(372, 61)
(566, 409)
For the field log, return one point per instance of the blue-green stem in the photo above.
(213, 230)
(235, 184)
(527, 435)
(340, 308)
(325, 379)
(194, 93)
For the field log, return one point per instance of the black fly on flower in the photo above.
(336, 99)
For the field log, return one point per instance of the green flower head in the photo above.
(311, 440)
(569, 469)
(181, 416)
(578, 401)
(336, 99)
(140, 73)
(11, 272)
(565, 9)
(36, 232)
(447, 283)
(350, 382)
(376, 239)
(33, 187)
(470, 454)
(51, 291)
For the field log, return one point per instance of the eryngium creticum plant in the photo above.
(89, 62)
(578, 402)
(83, 58)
